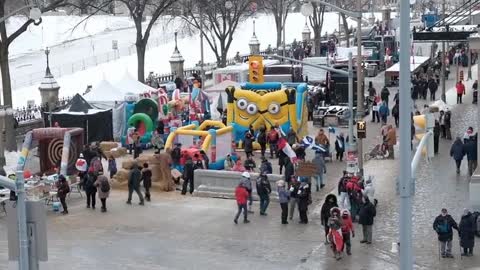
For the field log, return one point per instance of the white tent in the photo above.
(129, 84)
(104, 92)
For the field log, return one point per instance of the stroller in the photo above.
(380, 151)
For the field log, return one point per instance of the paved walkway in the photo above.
(184, 232)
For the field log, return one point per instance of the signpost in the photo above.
(361, 129)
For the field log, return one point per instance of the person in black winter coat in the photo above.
(248, 144)
(340, 146)
(90, 189)
(263, 189)
(266, 166)
(289, 169)
(466, 231)
(433, 86)
(457, 153)
(470, 149)
(436, 136)
(328, 204)
(134, 179)
(444, 225)
(366, 215)
(262, 140)
(188, 175)
(147, 180)
(304, 200)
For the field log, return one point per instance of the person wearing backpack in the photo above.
(103, 187)
(90, 188)
(62, 190)
(112, 166)
(272, 140)
(147, 180)
(444, 225)
(262, 140)
(263, 189)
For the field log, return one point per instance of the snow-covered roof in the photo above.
(414, 64)
(104, 91)
(129, 84)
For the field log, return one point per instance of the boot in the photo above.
(142, 203)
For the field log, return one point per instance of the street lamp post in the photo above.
(405, 177)
(307, 10)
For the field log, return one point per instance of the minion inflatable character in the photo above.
(269, 105)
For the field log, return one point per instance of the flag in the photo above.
(286, 148)
(309, 143)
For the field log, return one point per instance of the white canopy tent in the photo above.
(129, 84)
(104, 92)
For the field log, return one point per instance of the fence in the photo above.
(85, 63)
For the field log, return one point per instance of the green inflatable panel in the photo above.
(141, 117)
(147, 106)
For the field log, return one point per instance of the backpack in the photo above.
(443, 227)
(104, 186)
(90, 181)
(273, 135)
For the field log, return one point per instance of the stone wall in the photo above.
(222, 184)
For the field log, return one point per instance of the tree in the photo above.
(316, 21)
(279, 9)
(220, 20)
(352, 6)
(138, 10)
(5, 42)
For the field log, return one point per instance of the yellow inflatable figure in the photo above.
(285, 107)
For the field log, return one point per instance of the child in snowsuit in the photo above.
(347, 228)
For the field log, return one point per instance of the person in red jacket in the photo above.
(241, 195)
(347, 228)
(460, 91)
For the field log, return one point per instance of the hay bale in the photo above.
(145, 158)
(161, 173)
(121, 151)
(107, 146)
(121, 175)
(128, 163)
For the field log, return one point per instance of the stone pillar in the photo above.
(176, 61)
(474, 189)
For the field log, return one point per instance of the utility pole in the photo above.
(405, 181)
(469, 53)
(284, 19)
(360, 110)
(442, 58)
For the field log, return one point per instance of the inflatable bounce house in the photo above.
(213, 137)
(57, 148)
(267, 104)
(144, 113)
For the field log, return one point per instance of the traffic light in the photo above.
(255, 71)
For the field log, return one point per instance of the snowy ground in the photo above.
(157, 58)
